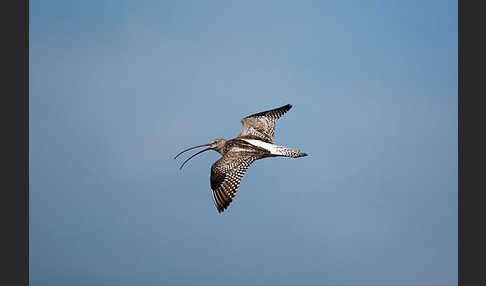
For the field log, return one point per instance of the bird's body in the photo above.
(255, 142)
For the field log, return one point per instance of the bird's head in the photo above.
(216, 145)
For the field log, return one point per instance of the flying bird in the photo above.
(255, 142)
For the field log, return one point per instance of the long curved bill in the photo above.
(191, 149)
(207, 149)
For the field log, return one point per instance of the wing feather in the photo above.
(262, 125)
(226, 175)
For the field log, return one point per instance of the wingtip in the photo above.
(285, 108)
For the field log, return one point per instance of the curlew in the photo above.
(255, 142)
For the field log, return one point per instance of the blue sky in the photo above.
(117, 88)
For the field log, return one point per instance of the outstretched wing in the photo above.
(226, 174)
(262, 125)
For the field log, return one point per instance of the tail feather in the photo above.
(290, 152)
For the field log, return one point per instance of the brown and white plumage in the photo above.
(262, 125)
(226, 175)
(253, 143)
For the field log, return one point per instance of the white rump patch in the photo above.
(274, 149)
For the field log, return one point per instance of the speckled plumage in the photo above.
(226, 175)
(262, 125)
(253, 143)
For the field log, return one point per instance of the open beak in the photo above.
(207, 149)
